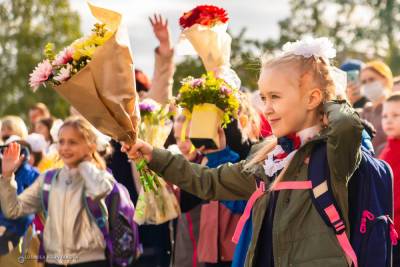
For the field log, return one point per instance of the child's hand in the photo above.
(161, 31)
(138, 150)
(11, 160)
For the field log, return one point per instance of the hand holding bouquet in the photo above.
(95, 75)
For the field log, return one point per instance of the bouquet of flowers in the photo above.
(154, 128)
(95, 75)
(156, 202)
(209, 102)
(155, 124)
(204, 30)
(205, 15)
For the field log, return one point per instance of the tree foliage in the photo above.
(26, 26)
(362, 29)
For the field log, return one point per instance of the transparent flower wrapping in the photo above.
(157, 207)
(154, 128)
(155, 133)
(156, 203)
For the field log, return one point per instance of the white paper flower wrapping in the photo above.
(213, 45)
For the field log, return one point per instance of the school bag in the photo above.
(370, 196)
(120, 233)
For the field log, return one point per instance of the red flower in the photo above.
(205, 15)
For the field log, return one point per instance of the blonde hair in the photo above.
(253, 128)
(312, 72)
(16, 125)
(42, 108)
(87, 132)
(395, 97)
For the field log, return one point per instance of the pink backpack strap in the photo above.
(247, 211)
(292, 185)
(341, 235)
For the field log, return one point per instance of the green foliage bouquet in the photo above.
(209, 102)
(212, 90)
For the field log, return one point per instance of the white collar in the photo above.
(308, 133)
(272, 166)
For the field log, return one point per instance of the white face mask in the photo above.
(374, 91)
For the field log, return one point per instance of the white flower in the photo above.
(309, 46)
(64, 74)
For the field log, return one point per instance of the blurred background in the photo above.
(360, 29)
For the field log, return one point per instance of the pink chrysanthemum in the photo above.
(225, 90)
(64, 57)
(64, 74)
(40, 74)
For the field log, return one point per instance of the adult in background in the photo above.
(353, 67)
(377, 82)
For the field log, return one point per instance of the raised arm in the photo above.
(164, 68)
(344, 138)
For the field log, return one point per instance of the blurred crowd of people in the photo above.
(202, 235)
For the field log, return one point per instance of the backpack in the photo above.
(370, 196)
(120, 233)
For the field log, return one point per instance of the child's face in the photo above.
(35, 115)
(42, 129)
(6, 132)
(286, 107)
(186, 145)
(72, 147)
(391, 118)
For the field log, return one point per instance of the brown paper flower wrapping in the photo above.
(104, 90)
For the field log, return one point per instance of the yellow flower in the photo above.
(83, 48)
(100, 40)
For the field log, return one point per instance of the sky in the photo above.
(260, 17)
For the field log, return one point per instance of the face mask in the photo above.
(373, 91)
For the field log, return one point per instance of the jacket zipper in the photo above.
(63, 228)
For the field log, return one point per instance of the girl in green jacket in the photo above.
(298, 89)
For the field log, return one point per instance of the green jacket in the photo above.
(300, 236)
